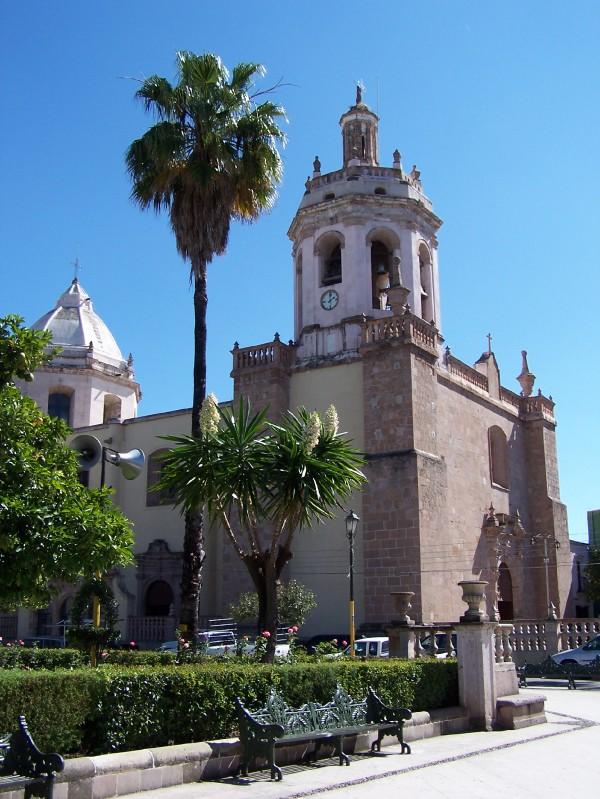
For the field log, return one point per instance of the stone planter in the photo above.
(474, 596)
(401, 601)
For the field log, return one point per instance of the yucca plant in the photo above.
(263, 482)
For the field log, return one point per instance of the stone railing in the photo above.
(510, 398)
(428, 638)
(274, 352)
(407, 327)
(150, 629)
(466, 373)
(575, 632)
(503, 644)
(539, 405)
(534, 640)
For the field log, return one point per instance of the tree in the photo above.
(592, 575)
(263, 482)
(51, 526)
(295, 603)
(211, 157)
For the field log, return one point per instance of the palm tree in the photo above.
(211, 157)
(263, 482)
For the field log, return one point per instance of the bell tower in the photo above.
(364, 245)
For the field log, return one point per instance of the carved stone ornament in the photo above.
(402, 605)
(474, 596)
(526, 379)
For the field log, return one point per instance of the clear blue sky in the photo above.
(497, 103)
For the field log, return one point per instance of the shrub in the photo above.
(23, 657)
(114, 708)
(57, 705)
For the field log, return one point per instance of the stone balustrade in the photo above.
(503, 645)
(538, 406)
(273, 352)
(150, 629)
(510, 398)
(407, 327)
(466, 373)
(534, 640)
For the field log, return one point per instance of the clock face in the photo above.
(329, 299)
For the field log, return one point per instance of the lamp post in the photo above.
(352, 521)
(547, 537)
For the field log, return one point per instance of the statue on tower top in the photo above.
(360, 88)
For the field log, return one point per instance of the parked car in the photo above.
(441, 640)
(586, 653)
(376, 647)
(218, 642)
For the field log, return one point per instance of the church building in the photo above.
(462, 471)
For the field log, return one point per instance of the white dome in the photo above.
(76, 327)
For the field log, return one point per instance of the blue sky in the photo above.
(498, 105)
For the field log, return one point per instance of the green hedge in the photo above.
(57, 705)
(117, 708)
(24, 657)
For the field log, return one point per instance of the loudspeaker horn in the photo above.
(130, 463)
(88, 449)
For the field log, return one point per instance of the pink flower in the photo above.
(295, 628)
(266, 634)
(291, 630)
(334, 641)
(132, 643)
(21, 643)
(104, 654)
(344, 643)
(182, 641)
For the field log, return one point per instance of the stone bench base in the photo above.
(516, 711)
(123, 773)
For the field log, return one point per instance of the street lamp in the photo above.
(547, 537)
(352, 521)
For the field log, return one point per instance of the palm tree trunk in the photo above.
(193, 540)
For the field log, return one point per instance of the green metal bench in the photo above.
(277, 724)
(22, 765)
(559, 671)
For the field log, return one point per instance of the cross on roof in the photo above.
(489, 338)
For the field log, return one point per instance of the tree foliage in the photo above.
(211, 157)
(263, 482)
(592, 575)
(295, 600)
(51, 527)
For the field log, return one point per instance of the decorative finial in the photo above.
(489, 338)
(91, 346)
(130, 361)
(307, 184)
(316, 167)
(76, 269)
(276, 337)
(526, 379)
(396, 156)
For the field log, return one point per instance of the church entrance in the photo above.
(505, 593)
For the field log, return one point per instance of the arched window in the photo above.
(505, 593)
(59, 405)
(332, 266)
(380, 273)
(154, 498)
(427, 310)
(112, 408)
(158, 599)
(498, 457)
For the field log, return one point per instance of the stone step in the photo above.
(515, 711)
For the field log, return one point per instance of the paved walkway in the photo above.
(560, 757)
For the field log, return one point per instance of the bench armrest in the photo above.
(378, 711)
(23, 757)
(251, 728)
